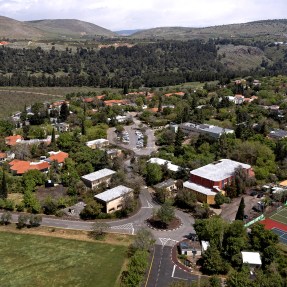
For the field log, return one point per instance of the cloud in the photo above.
(129, 14)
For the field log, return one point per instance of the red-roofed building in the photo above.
(181, 94)
(19, 167)
(153, 110)
(58, 156)
(116, 102)
(88, 100)
(3, 43)
(3, 156)
(100, 97)
(13, 140)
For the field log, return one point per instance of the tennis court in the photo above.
(282, 234)
(280, 216)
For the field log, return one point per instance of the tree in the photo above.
(219, 198)
(239, 279)
(22, 221)
(6, 218)
(4, 188)
(64, 112)
(179, 136)
(240, 211)
(185, 199)
(91, 210)
(53, 138)
(99, 230)
(212, 262)
(35, 220)
(166, 213)
(154, 173)
(143, 240)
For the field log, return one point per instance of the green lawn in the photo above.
(29, 260)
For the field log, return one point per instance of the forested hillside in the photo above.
(155, 64)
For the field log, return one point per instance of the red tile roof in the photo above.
(3, 155)
(181, 94)
(22, 166)
(100, 97)
(12, 140)
(115, 102)
(154, 110)
(58, 156)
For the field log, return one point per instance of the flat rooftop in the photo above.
(113, 193)
(97, 141)
(161, 161)
(198, 188)
(98, 174)
(252, 258)
(165, 184)
(219, 170)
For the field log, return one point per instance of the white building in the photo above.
(96, 178)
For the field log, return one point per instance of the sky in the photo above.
(141, 14)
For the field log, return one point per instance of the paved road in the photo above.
(151, 147)
(163, 271)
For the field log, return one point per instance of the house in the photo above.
(98, 143)
(62, 127)
(113, 153)
(277, 134)
(167, 185)
(58, 156)
(13, 140)
(189, 248)
(169, 165)
(210, 130)
(116, 102)
(253, 259)
(94, 179)
(206, 181)
(3, 156)
(181, 94)
(112, 198)
(19, 167)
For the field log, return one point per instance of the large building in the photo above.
(98, 143)
(169, 165)
(112, 199)
(210, 130)
(94, 179)
(206, 181)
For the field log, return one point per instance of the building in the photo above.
(3, 156)
(277, 134)
(13, 140)
(62, 127)
(19, 167)
(98, 143)
(202, 193)
(58, 156)
(206, 181)
(167, 185)
(112, 198)
(253, 259)
(116, 102)
(210, 130)
(169, 165)
(94, 179)
(113, 153)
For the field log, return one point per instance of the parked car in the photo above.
(253, 193)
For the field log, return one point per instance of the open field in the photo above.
(13, 99)
(30, 260)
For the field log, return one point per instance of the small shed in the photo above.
(253, 259)
(204, 245)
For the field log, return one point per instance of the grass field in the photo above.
(13, 99)
(30, 260)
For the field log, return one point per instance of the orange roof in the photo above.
(88, 100)
(58, 156)
(12, 140)
(154, 110)
(3, 155)
(4, 43)
(100, 97)
(175, 94)
(115, 102)
(239, 96)
(22, 166)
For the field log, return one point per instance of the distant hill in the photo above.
(10, 28)
(58, 28)
(265, 29)
(128, 32)
(71, 27)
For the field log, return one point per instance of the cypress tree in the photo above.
(53, 137)
(240, 211)
(4, 189)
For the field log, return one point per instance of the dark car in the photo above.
(245, 216)
(253, 193)
(260, 195)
